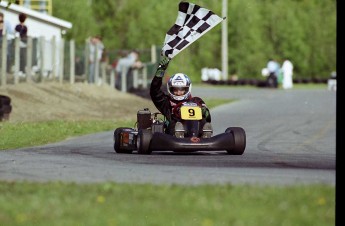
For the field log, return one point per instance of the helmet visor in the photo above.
(179, 91)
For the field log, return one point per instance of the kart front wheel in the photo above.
(143, 141)
(117, 141)
(239, 137)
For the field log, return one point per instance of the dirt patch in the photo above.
(80, 101)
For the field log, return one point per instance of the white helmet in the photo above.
(181, 81)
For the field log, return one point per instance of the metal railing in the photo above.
(34, 59)
(38, 60)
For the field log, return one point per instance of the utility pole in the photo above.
(225, 40)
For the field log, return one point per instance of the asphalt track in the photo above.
(291, 139)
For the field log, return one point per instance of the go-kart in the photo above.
(149, 135)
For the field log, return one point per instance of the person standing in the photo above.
(273, 69)
(95, 54)
(125, 65)
(6, 29)
(21, 28)
(22, 31)
(287, 69)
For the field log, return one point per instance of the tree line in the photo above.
(302, 30)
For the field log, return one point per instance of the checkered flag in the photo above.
(192, 22)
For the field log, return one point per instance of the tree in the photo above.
(304, 31)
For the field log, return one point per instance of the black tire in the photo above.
(239, 136)
(143, 141)
(117, 138)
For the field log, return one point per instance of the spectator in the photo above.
(332, 81)
(7, 29)
(95, 54)
(287, 70)
(21, 31)
(126, 64)
(273, 70)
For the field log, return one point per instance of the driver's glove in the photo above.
(163, 65)
(205, 112)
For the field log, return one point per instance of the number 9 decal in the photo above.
(191, 112)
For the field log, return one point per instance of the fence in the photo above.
(38, 60)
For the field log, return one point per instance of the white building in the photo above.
(39, 25)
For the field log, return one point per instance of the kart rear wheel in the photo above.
(239, 136)
(117, 141)
(143, 141)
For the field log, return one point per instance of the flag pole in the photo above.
(225, 40)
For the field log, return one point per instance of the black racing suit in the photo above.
(169, 107)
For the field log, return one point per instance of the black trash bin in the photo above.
(5, 107)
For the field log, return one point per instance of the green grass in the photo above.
(24, 203)
(17, 135)
(211, 103)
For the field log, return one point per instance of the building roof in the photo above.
(36, 15)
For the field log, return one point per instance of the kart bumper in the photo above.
(166, 142)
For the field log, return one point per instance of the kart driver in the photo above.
(179, 91)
